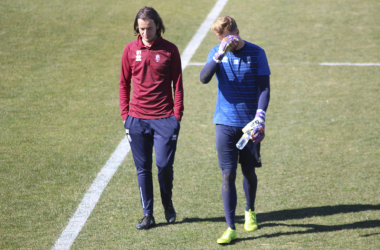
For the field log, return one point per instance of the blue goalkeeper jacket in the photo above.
(238, 90)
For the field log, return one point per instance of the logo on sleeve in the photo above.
(138, 55)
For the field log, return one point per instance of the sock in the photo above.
(229, 196)
(250, 187)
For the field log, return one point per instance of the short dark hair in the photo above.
(149, 13)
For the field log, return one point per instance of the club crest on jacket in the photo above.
(138, 55)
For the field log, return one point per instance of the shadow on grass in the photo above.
(314, 228)
(293, 214)
(302, 213)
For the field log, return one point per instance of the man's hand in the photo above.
(257, 126)
(258, 133)
(229, 43)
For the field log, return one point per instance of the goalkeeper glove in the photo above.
(229, 43)
(257, 126)
(258, 133)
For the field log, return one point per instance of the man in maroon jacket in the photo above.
(151, 117)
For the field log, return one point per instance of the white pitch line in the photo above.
(349, 64)
(196, 64)
(201, 33)
(92, 196)
(306, 63)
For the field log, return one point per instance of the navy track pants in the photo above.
(229, 157)
(143, 135)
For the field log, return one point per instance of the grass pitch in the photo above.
(318, 187)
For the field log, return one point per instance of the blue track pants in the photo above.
(229, 157)
(143, 135)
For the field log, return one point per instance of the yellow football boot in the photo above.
(250, 221)
(228, 236)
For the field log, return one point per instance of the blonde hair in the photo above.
(223, 24)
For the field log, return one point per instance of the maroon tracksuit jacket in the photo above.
(152, 70)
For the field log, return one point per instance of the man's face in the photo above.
(227, 33)
(147, 29)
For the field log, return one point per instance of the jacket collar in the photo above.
(155, 42)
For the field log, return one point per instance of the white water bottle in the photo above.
(244, 140)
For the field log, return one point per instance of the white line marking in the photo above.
(201, 33)
(306, 63)
(349, 64)
(92, 196)
(197, 64)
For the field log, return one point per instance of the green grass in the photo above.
(59, 124)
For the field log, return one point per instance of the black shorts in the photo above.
(228, 155)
